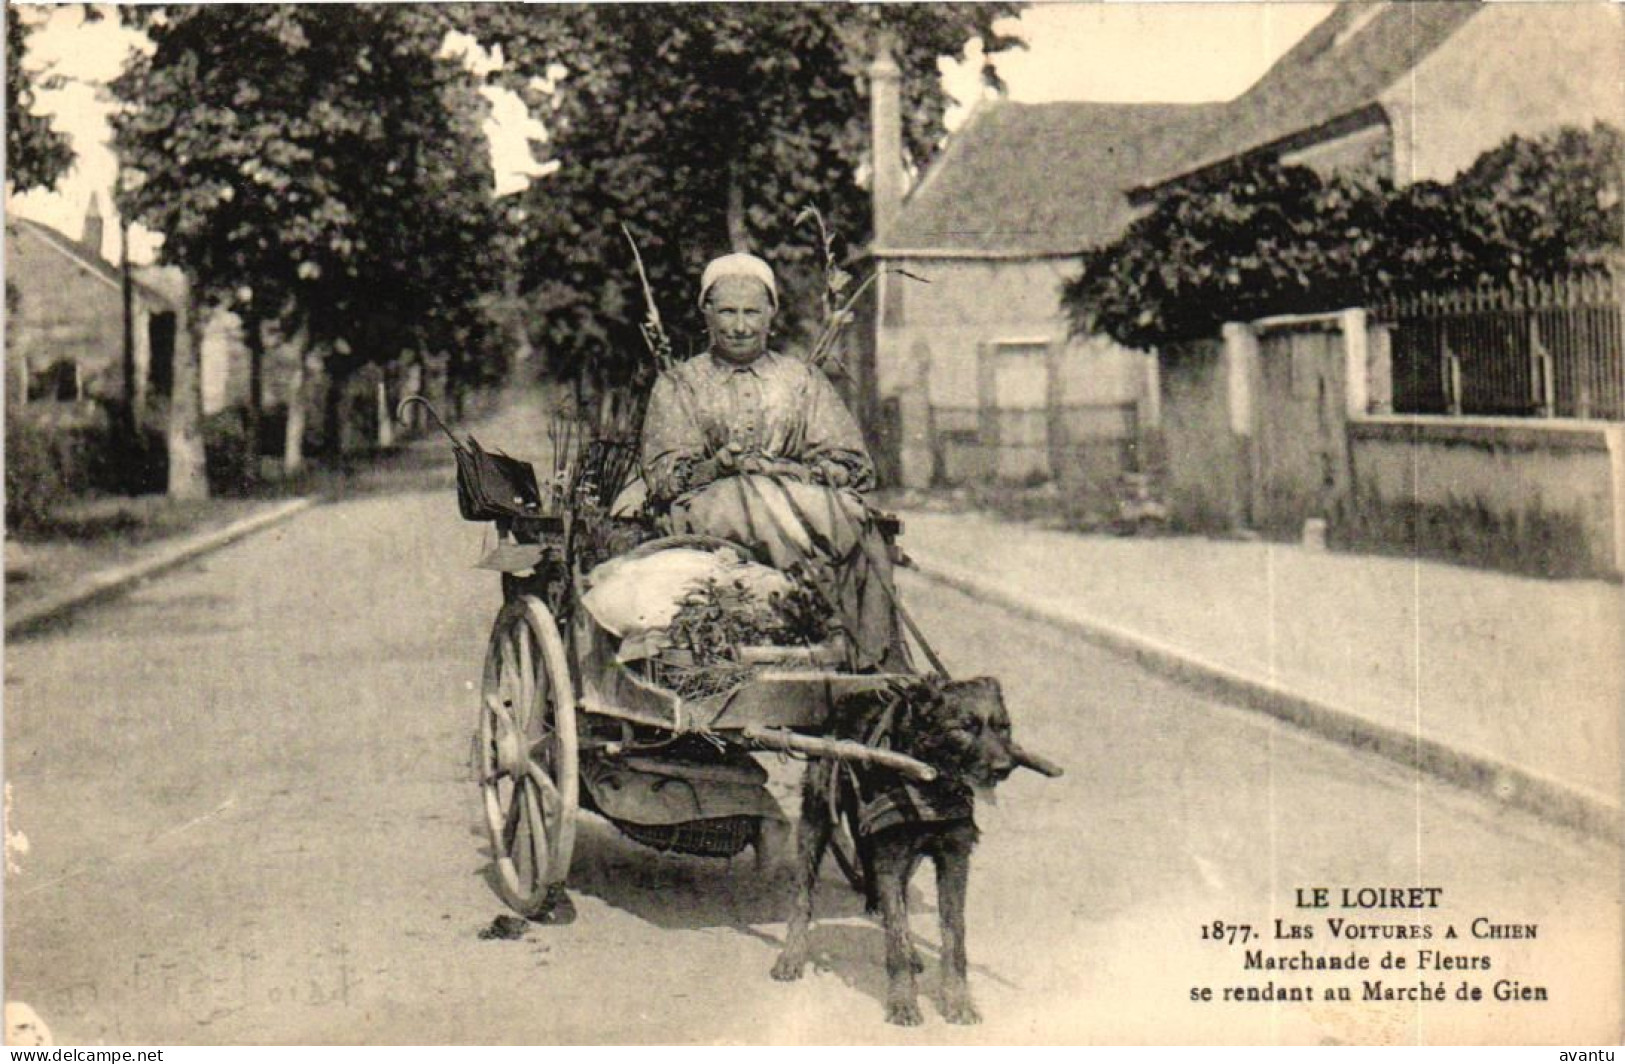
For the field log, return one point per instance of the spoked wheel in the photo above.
(528, 757)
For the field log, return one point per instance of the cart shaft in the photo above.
(840, 749)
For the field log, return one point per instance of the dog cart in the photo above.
(575, 716)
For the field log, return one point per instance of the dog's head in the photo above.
(962, 729)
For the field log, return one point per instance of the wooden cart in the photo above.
(561, 719)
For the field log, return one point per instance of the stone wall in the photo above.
(1546, 497)
(1205, 463)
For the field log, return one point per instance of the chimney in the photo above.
(886, 131)
(92, 236)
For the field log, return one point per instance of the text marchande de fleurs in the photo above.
(1367, 915)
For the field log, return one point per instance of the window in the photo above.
(1021, 376)
(58, 382)
(161, 370)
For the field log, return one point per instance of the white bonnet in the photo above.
(739, 264)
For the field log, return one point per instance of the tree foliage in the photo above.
(320, 165)
(1260, 238)
(1550, 202)
(37, 154)
(701, 127)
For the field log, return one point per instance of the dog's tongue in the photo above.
(986, 794)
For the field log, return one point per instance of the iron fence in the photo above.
(1539, 349)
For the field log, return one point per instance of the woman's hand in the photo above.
(734, 460)
(832, 474)
(761, 465)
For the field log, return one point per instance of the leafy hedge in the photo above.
(1260, 238)
(39, 472)
(56, 453)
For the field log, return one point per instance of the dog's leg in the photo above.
(812, 836)
(915, 959)
(892, 863)
(871, 893)
(769, 843)
(953, 883)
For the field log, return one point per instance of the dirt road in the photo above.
(249, 818)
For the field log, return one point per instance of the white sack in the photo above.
(629, 596)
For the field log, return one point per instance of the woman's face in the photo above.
(739, 315)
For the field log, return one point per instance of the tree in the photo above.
(1552, 202)
(1258, 238)
(1254, 240)
(37, 154)
(318, 168)
(702, 128)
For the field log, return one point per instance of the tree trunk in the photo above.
(129, 417)
(386, 416)
(415, 385)
(738, 236)
(427, 382)
(336, 410)
(293, 439)
(188, 469)
(254, 338)
(456, 390)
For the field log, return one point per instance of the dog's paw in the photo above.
(904, 1013)
(787, 969)
(960, 1010)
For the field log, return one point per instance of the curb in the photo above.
(108, 583)
(1473, 771)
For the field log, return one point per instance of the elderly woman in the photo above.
(756, 447)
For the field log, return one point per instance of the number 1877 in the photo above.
(1230, 934)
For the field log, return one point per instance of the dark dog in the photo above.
(960, 729)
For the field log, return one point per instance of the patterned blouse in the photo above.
(777, 407)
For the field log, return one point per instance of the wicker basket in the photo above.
(720, 837)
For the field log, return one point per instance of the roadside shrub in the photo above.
(225, 452)
(1256, 238)
(53, 453)
(34, 484)
(134, 466)
(273, 429)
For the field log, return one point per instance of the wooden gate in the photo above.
(1301, 463)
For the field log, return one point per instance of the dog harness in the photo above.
(906, 802)
(887, 800)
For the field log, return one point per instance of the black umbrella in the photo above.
(489, 485)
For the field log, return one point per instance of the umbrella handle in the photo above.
(434, 415)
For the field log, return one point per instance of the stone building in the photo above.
(65, 319)
(1417, 92)
(65, 325)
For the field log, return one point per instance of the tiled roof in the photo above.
(1042, 179)
(87, 260)
(1050, 179)
(1341, 66)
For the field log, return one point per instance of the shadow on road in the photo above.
(681, 893)
(678, 892)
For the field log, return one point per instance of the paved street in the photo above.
(250, 819)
